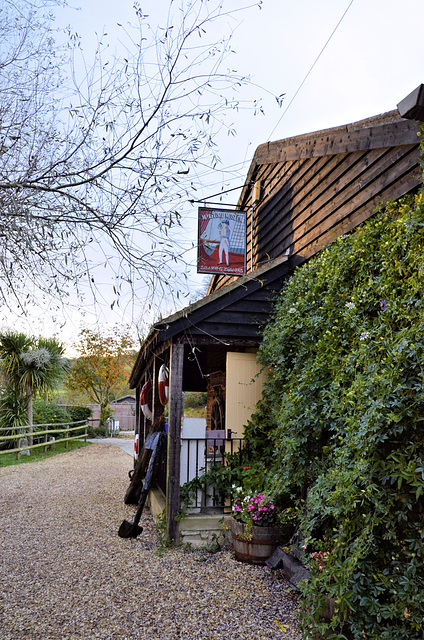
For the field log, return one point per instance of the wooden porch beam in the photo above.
(174, 438)
(138, 431)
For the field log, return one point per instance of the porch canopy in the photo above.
(193, 344)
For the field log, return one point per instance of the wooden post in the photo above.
(157, 407)
(176, 409)
(18, 444)
(138, 430)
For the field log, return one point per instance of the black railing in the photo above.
(198, 457)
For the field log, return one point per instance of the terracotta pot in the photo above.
(257, 548)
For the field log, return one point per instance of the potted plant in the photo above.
(254, 530)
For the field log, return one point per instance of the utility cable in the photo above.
(306, 77)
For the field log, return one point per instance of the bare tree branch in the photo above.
(97, 159)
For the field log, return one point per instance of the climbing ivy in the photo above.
(340, 429)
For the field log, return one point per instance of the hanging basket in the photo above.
(255, 545)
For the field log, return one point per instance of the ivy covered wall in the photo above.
(339, 434)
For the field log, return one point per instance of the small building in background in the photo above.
(123, 413)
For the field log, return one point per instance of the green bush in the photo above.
(49, 413)
(79, 413)
(340, 429)
(194, 399)
(97, 432)
(13, 413)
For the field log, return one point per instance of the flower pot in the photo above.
(255, 545)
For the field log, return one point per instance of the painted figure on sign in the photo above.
(221, 241)
(224, 241)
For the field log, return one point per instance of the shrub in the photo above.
(79, 413)
(340, 427)
(49, 413)
(194, 400)
(13, 413)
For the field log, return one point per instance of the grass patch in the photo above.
(195, 412)
(9, 459)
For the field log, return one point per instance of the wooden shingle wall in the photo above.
(317, 187)
(323, 198)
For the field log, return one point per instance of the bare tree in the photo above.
(94, 166)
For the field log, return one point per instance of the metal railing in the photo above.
(40, 436)
(198, 457)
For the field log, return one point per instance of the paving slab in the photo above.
(126, 444)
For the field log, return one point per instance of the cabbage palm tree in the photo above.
(30, 366)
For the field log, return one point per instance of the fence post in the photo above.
(67, 438)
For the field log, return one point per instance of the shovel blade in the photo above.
(129, 530)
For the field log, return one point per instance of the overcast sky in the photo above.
(371, 60)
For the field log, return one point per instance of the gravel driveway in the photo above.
(65, 574)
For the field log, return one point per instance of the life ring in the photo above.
(144, 400)
(163, 386)
(136, 441)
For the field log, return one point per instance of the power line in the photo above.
(316, 60)
(220, 193)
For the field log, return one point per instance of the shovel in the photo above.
(132, 529)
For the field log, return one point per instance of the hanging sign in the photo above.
(221, 242)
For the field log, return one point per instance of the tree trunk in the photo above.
(30, 419)
(104, 414)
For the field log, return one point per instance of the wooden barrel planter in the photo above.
(256, 546)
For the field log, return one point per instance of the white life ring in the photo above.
(136, 441)
(163, 385)
(144, 400)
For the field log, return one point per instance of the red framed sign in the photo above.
(221, 241)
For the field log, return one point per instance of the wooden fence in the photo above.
(49, 434)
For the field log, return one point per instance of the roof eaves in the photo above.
(225, 291)
(265, 153)
(164, 325)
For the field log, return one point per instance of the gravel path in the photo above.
(65, 574)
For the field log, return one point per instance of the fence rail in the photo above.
(68, 429)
